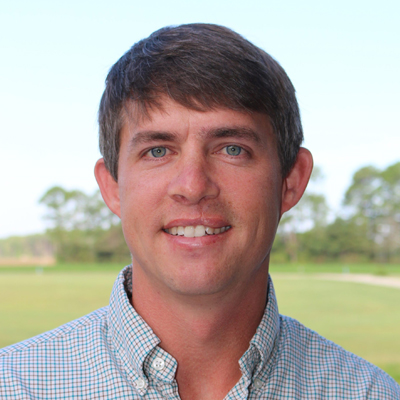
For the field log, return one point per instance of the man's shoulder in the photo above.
(304, 344)
(318, 361)
(87, 325)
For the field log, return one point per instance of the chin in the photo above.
(198, 290)
(206, 283)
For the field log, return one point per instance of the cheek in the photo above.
(141, 198)
(254, 194)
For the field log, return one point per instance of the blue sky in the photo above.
(343, 58)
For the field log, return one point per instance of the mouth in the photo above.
(196, 231)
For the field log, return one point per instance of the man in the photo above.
(200, 135)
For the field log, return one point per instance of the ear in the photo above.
(108, 187)
(296, 181)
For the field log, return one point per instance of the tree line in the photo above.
(367, 228)
(82, 228)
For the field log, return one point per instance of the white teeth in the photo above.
(209, 231)
(199, 231)
(189, 231)
(196, 231)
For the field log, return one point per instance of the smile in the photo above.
(195, 231)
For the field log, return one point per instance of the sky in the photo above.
(343, 58)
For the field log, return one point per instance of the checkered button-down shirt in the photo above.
(113, 354)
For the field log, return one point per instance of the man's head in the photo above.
(200, 133)
(201, 67)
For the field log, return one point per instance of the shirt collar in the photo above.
(133, 340)
(267, 334)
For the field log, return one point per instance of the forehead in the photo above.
(170, 116)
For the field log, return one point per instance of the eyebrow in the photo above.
(144, 137)
(152, 136)
(232, 132)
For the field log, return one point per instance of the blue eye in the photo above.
(158, 152)
(233, 150)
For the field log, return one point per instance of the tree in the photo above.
(78, 223)
(310, 213)
(374, 199)
(69, 210)
(340, 240)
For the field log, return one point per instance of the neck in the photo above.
(211, 331)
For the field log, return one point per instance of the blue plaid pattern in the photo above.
(113, 354)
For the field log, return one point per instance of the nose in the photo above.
(192, 181)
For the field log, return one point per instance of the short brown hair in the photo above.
(202, 67)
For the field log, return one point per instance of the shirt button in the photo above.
(158, 364)
(257, 383)
(140, 383)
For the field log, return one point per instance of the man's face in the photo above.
(195, 172)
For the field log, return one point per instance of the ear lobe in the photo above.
(296, 181)
(108, 187)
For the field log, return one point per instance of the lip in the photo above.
(212, 222)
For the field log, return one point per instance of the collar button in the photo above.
(158, 364)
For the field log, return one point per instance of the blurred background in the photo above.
(336, 258)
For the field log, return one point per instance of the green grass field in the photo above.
(361, 318)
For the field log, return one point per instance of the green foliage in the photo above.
(341, 240)
(370, 231)
(364, 194)
(374, 199)
(32, 246)
(75, 210)
(310, 214)
(82, 228)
